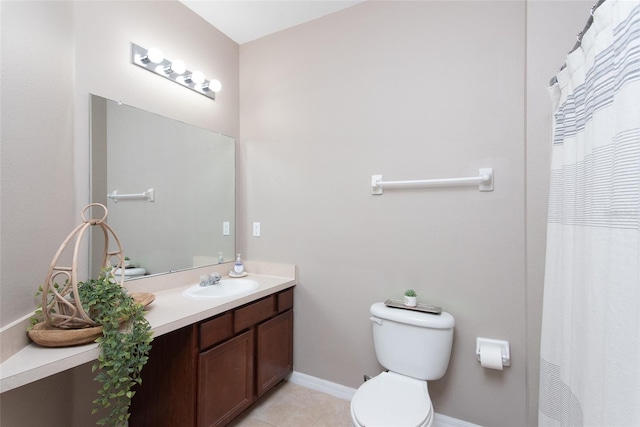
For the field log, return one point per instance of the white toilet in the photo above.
(130, 273)
(415, 347)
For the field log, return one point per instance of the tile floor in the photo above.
(291, 405)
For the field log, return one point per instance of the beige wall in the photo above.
(408, 90)
(54, 54)
(37, 151)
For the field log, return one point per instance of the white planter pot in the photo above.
(410, 301)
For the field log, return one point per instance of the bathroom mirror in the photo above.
(169, 188)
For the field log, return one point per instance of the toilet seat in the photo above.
(394, 400)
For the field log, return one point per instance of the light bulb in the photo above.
(215, 85)
(178, 66)
(155, 55)
(197, 77)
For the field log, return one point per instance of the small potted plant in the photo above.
(410, 298)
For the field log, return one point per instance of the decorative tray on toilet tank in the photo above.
(420, 307)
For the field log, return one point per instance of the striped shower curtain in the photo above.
(590, 347)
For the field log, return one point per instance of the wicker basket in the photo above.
(49, 336)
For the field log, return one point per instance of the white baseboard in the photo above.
(440, 420)
(346, 393)
(324, 386)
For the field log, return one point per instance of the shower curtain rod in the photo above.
(554, 80)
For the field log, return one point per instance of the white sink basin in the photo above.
(225, 288)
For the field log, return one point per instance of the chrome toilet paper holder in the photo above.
(504, 349)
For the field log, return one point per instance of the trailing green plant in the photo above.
(124, 345)
(410, 293)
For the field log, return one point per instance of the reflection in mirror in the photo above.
(188, 219)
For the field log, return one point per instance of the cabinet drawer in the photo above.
(285, 300)
(248, 316)
(216, 330)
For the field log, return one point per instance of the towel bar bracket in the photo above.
(487, 179)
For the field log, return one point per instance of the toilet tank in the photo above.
(412, 343)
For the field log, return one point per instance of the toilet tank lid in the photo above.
(417, 318)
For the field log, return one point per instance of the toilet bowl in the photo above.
(392, 400)
(415, 347)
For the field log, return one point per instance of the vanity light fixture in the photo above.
(153, 60)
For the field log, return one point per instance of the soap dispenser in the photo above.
(238, 267)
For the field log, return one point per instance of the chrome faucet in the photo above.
(211, 279)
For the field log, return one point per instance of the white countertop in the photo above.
(170, 311)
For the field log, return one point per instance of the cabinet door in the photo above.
(275, 351)
(225, 380)
(166, 397)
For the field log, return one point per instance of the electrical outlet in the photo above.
(256, 229)
(225, 228)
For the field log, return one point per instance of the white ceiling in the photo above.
(247, 20)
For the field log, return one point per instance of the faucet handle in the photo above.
(215, 278)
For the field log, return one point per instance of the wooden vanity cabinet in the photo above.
(233, 374)
(206, 374)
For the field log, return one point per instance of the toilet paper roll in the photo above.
(491, 356)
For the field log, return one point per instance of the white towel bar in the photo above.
(149, 195)
(484, 181)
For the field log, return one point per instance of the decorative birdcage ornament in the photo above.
(61, 305)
